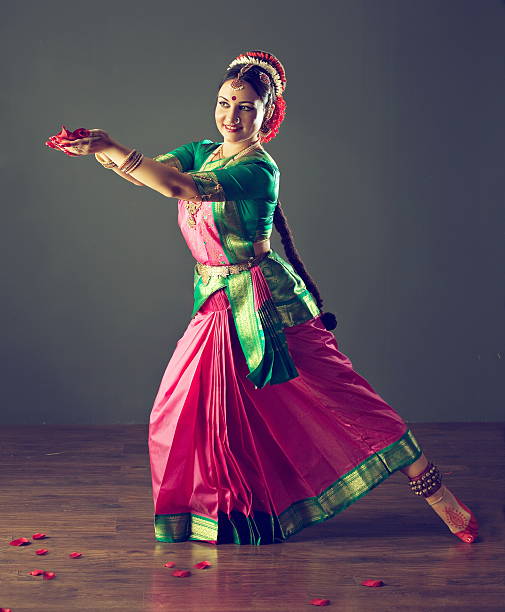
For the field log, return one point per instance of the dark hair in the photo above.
(281, 225)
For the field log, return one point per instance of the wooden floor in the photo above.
(89, 490)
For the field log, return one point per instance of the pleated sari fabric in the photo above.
(232, 463)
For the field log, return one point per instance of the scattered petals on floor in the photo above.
(202, 565)
(39, 536)
(41, 551)
(20, 542)
(320, 602)
(36, 572)
(49, 575)
(169, 564)
(5, 609)
(181, 573)
(75, 555)
(372, 583)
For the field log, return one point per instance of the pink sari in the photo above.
(231, 463)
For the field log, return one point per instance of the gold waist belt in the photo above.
(207, 271)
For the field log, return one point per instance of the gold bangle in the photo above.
(126, 161)
(109, 165)
(134, 161)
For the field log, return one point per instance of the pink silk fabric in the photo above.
(217, 443)
(203, 238)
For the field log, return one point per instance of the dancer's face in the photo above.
(241, 109)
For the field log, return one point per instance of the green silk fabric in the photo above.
(244, 195)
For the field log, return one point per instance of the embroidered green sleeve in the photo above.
(170, 160)
(208, 186)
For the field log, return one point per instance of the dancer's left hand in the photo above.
(97, 141)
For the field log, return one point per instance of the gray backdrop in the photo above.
(391, 159)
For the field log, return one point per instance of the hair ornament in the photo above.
(269, 63)
(237, 82)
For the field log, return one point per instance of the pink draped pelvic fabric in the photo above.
(218, 444)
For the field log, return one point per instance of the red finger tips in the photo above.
(66, 138)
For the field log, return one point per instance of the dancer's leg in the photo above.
(460, 519)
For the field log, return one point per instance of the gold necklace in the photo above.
(193, 207)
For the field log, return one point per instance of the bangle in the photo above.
(131, 162)
(109, 165)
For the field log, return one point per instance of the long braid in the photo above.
(281, 225)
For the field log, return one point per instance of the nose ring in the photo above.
(237, 121)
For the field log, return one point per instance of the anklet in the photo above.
(427, 482)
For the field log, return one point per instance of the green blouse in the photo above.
(240, 201)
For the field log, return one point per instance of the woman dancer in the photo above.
(260, 426)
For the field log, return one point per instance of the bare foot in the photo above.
(460, 519)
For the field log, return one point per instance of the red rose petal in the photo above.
(41, 551)
(20, 542)
(5, 609)
(372, 583)
(38, 536)
(36, 572)
(75, 555)
(49, 575)
(181, 573)
(169, 564)
(202, 565)
(320, 602)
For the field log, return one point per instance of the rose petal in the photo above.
(181, 573)
(75, 555)
(372, 583)
(169, 564)
(5, 609)
(38, 536)
(202, 565)
(36, 572)
(41, 551)
(49, 575)
(20, 542)
(320, 602)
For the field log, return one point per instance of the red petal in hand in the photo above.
(20, 542)
(202, 565)
(181, 573)
(38, 536)
(320, 602)
(49, 575)
(36, 572)
(41, 551)
(75, 555)
(372, 583)
(169, 564)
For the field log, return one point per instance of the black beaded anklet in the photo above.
(427, 482)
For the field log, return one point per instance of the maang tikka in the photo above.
(237, 82)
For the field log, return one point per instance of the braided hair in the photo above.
(267, 95)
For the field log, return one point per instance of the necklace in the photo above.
(241, 153)
(193, 207)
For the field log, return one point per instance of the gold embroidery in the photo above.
(169, 160)
(208, 186)
(192, 208)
